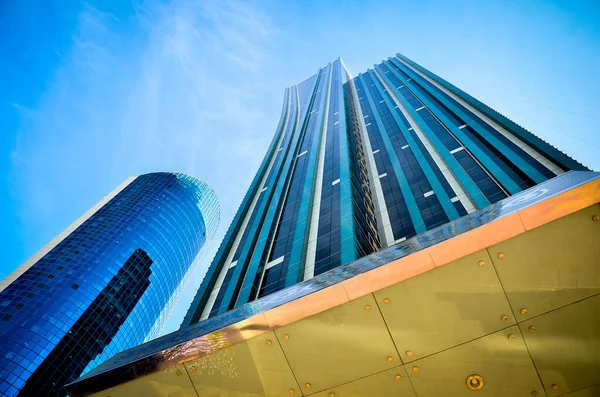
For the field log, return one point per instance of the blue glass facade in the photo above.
(106, 284)
(360, 164)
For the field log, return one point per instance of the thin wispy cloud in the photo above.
(171, 90)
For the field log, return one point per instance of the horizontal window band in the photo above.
(274, 262)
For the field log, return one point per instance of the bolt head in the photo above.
(523, 311)
(504, 317)
(307, 385)
(415, 369)
(367, 307)
(179, 373)
(286, 337)
(386, 300)
(501, 255)
(398, 377)
(409, 353)
(554, 387)
(534, 393)
(481, 263)
(269, 342)
(511, 336)
(595, 217)
(390, 359)
(475, 382)
(292, 391)
(532, 329)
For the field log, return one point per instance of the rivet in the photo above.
(523, 311)
(292, 391)
(504, 317)
(367, 307)
(501, 255)
(269, 342)
(398, 377)
(474, 382)
(307, 385)
(331, 394)
(286, 337)
(390, 359)
(386, 300)
(511, 336)
(415, 369)
(595, 217)
(555, 387)
(481, 263)
(178, 373)
(534, 393)
(194, 369)
(532, 329)
(409, 353)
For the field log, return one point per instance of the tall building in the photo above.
(362, 164)
(107, 283)
(400, 238)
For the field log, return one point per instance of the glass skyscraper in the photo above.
(359, 164)
(107, 283)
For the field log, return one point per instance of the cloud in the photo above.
(162, 87)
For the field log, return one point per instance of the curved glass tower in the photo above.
(107, 283)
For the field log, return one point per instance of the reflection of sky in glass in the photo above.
(156, 222)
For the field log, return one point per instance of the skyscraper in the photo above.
(105, 284)
(365, 163)
(400, 238)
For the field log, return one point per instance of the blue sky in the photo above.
(94, 92)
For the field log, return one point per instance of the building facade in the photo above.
(107, 283)
(360, 164)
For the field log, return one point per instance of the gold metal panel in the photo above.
(477, 239)
(561, 205)
(447, 306)
(552, 265)
(391, 383)
(171, 382)
(565, 346)
(338, 346)
(390, 274)
(256, 367)
(503, 363)
(593, 391)
(311, 304)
